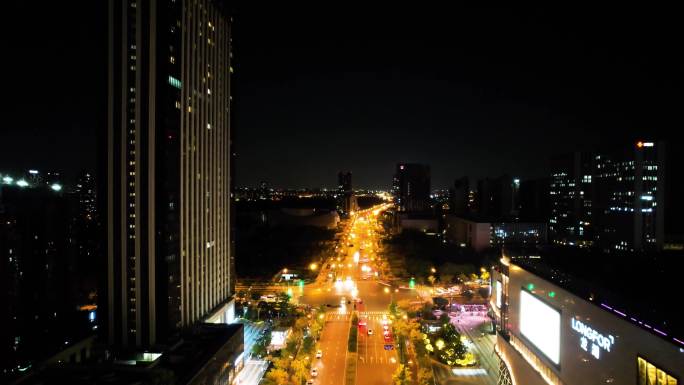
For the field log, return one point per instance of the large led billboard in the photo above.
(540, 324)
(498, 294)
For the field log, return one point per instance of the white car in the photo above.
(370, 332)
(314, 372)
(319, 354)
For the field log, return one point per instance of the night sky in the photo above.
(474, 92)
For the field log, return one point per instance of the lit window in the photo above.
(649, 374)
(174, 82)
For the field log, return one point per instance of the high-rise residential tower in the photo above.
(168, 168)
(346, 201)
(411, 187)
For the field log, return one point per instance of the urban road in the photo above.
(352, 272)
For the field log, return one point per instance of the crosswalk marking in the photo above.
(372, 312)
(373, 360)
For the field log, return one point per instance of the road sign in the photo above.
(389, 347)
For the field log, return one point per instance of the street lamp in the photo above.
(433, 270)
(313, 267)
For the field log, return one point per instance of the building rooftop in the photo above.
(641, 288)
(178, 365)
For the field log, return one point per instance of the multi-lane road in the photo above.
(375, 364)
(333, 344)
(352, 272)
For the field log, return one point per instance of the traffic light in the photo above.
(412, 283)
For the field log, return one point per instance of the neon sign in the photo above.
(588, 334)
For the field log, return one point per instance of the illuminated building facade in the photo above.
(570, 192)
(630, 198)
(549, 335)
(169, 167)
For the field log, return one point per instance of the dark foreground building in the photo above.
(210, 354)
(43, 272)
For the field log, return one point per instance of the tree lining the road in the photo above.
(401, 376)
(292, 363)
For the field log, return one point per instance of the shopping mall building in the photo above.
(547, 334)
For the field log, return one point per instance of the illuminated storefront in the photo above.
(547, 335)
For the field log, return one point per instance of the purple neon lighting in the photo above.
(641, 323)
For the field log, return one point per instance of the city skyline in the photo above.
(205, 192)
(478, 84)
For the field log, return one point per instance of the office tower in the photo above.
(346, 201)
(534, 203)
(459, 196)
(629, 198)
(86, 195)
(169, 168)
(84, 227)
(571, 192)
(411, 187)
(344, 181)
(497, 197)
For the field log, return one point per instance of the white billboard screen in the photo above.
(498, 294)
(540, 324)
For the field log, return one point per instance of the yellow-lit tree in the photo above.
(402, 376)
(278, 376)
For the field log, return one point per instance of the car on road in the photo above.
(385, 327)
(319, 354)
(314, 372)
(370, 332)
(310, 381)
(343, 301)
